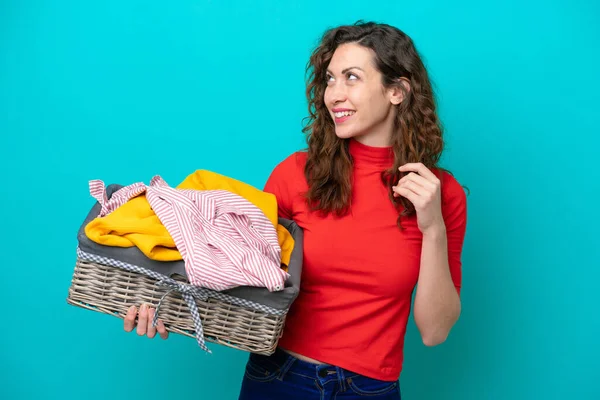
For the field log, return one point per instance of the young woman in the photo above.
(380, 218)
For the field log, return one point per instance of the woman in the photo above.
(379, 216)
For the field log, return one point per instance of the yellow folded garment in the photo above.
(136, 224)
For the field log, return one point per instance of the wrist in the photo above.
(435, 231)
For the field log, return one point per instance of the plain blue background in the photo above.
(123, 90)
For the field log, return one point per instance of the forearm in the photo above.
(437, 303)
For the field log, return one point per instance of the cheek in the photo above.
(364, 98)
(376, 103)
(326, 97)
(358, 98)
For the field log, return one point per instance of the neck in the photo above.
(374, 141)
(381, 157)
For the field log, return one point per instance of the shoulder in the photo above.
(454, 196)
(291, 167)
(293, 162)
(287, 172)
(450, 186)
(286, 181)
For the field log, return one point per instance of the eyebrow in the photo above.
(348, 69)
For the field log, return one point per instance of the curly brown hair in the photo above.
(418, 134)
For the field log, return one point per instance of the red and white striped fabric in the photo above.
(120, 197)
(224, 239)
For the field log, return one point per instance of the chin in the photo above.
(346, 133)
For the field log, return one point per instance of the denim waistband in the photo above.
(322, 372)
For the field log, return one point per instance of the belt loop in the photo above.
(341, 378)
(286, 366)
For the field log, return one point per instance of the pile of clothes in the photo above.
(221, 234)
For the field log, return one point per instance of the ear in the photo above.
(399, 91)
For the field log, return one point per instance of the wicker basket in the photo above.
(110, 280)
(112, 290)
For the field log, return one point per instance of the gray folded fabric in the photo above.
(280, 300)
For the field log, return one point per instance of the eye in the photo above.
(351, 77)
(328, 78)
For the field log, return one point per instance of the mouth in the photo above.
(342, 116)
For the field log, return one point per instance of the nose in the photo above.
(335, 93)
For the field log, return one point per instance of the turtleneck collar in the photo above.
(364, 155)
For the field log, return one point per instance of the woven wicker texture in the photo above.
(112, 290)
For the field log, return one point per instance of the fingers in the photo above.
(413, 186)
(419, 180)
(160, 327)
(142, 325)
(151, 330)
(162, 330)
(420, 169)
(129, 322)
(408, 193)
(420, 185)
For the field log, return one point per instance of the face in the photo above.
(357, 101)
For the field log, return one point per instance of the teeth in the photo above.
(343, 114)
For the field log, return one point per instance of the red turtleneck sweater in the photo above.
(360, 270)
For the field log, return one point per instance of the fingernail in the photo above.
(143, 308)
(131, 309)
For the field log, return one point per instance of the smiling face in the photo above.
(360, 106)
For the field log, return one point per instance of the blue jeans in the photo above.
(282, 376)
